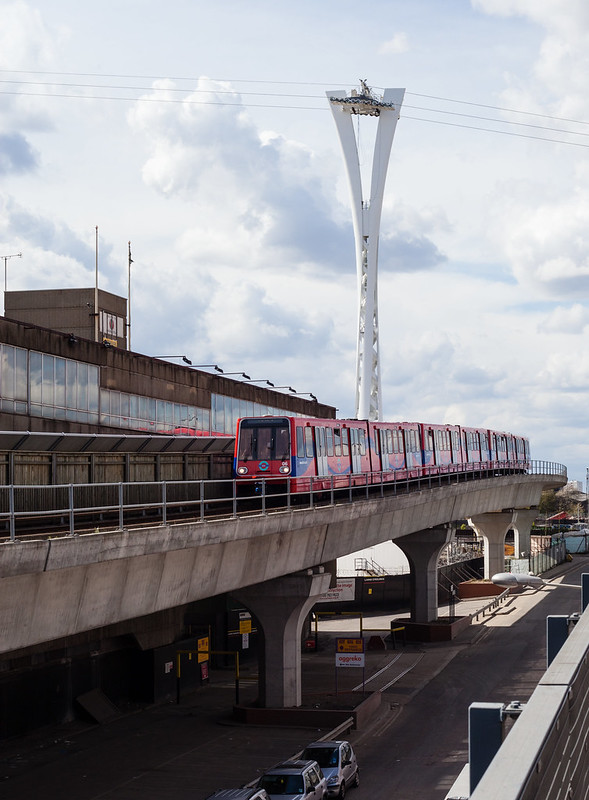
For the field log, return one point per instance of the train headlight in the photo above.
(242, 470)
(284, 469)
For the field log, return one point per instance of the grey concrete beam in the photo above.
(280, 607)
(423, 549)
(493, 527)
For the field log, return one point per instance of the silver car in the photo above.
(338, 762)
(293, 780)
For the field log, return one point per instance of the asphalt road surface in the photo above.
(420, 747)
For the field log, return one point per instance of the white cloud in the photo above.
(399, 43)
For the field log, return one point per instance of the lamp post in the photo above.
(311, 395)
(260, 380)
(13, 255)
(184, 359)
(211, 366)
(225, 374)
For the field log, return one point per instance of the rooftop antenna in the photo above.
(96, 291)
(129, 301)
(13, 255)
(366, 215)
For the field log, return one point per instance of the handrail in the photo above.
(494, 603)
(75, 507)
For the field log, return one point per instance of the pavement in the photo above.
(191, 749)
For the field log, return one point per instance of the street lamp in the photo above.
(311, 395)
(290, 389)
(237, 373)
(184, 359)
(259, 380)
(212, 366)
(510, 580)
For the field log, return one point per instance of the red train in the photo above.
(339, 452)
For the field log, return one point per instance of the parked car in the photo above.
(292, 780)
(338, 762)
(239, 794)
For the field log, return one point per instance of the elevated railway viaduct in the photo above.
(140, 581)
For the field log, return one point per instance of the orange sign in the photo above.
(349, 645)
(203, 649)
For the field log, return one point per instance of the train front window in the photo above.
(267, 442)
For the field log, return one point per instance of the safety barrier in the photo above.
(82, 508)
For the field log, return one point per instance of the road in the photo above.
(421, 746)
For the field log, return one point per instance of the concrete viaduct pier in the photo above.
(137, 581)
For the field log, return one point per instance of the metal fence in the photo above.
(546, 755)
(81, 508)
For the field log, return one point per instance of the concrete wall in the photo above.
(60, 587)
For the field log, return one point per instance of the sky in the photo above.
(200, 132)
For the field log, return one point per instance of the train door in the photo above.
(321, 451)
(456, 451)
(355, 450)
(385, 449)
(428, 447)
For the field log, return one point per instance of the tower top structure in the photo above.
(366, 214)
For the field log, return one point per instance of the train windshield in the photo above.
(264, 440)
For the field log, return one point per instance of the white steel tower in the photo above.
(366, 216)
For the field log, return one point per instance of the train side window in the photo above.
(309, 442)
(345, 447)
(429, 440)
(412, 442)
(319, 448)
(389, 441)
(377, 441)
(337, 441)
(300, 442)
(329, 440)
(362, 438)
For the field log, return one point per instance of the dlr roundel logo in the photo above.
(263, 466)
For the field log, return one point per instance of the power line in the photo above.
(283, 83)
(217, 91)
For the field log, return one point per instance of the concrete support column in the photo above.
(493, 527)
(522, 525)
(423, 549)
(280, 607)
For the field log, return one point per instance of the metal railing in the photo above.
(71, 509)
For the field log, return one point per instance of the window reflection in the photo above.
(61, 388)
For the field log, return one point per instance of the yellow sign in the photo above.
(203, 649)
(350, 645)
(245, 626)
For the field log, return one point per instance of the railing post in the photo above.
(234, 499)
(350, 487)
(71, 508)
(201, 495)
(121, 511)
(164, 507)
(331, 497)
(263, 495)
(11, 509)
(311, 493)
(288, 485)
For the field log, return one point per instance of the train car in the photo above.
(396, 450)
(475, 447)
(442, 450)
(311, 453)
